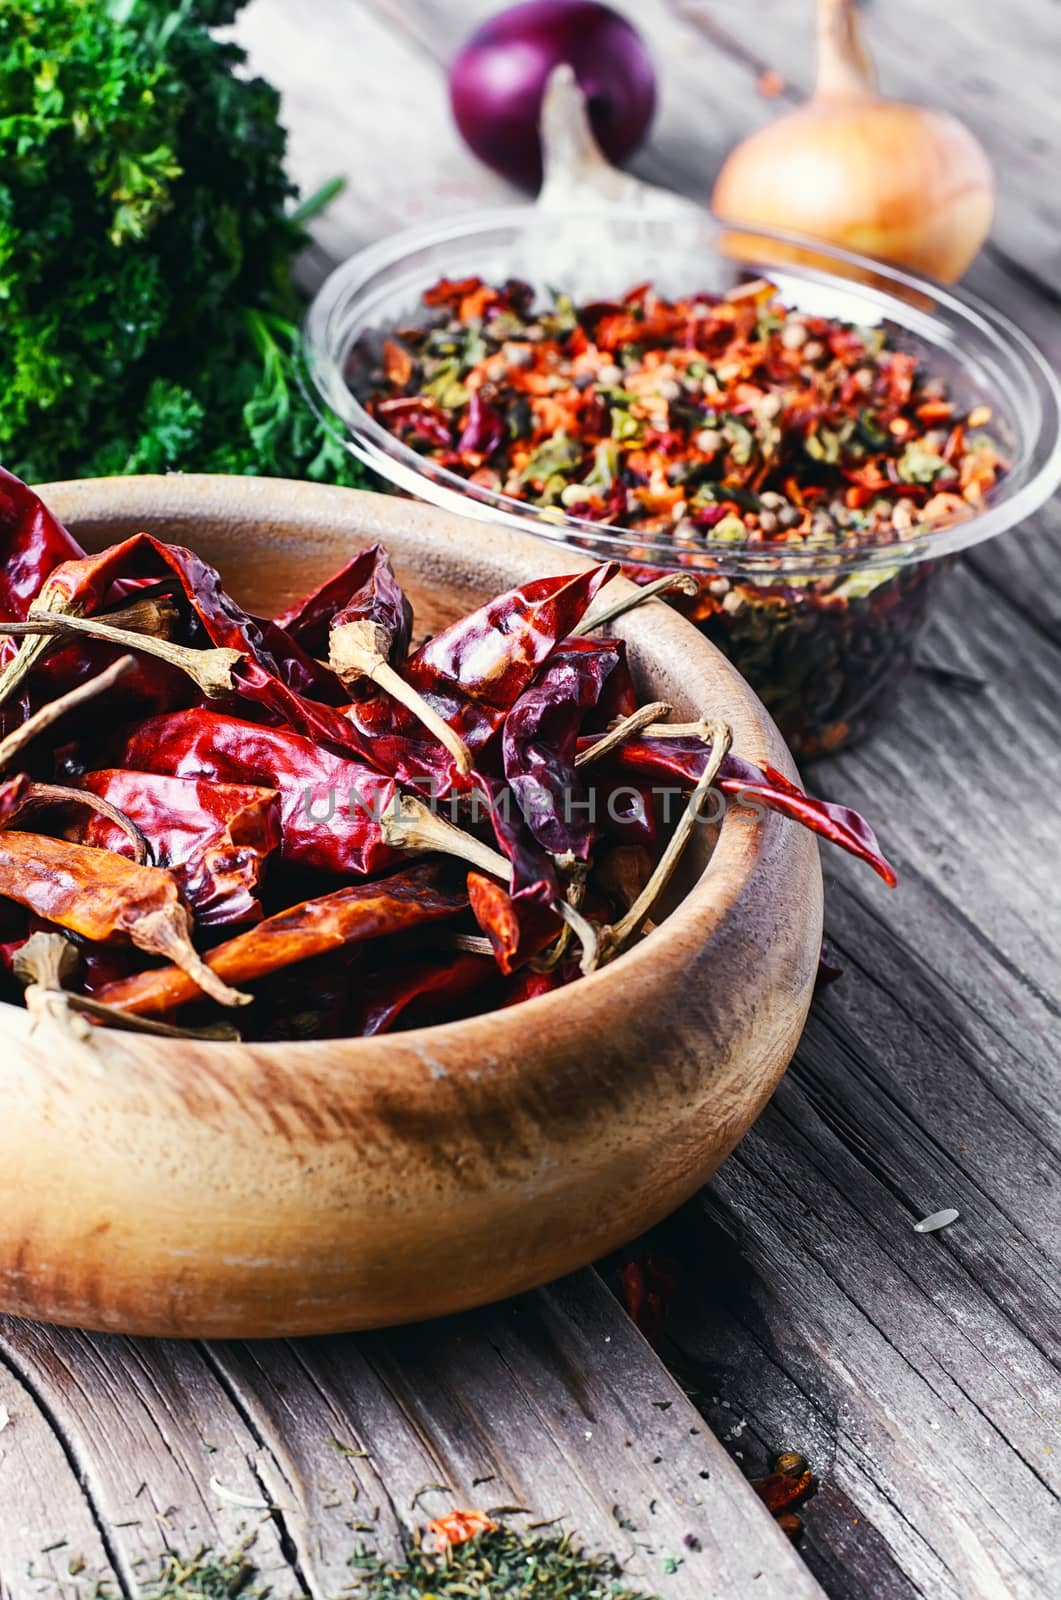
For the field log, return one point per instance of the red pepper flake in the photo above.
(770, 84)
(649, 1287)
(789, 1484)
(450, 291)
(457, 1527)
(397, 363)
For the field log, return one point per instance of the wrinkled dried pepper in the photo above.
(103, 896)
(417, 895)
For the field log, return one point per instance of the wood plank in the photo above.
(551, 1402)
(363, 101)
(147, 1434)
(919, 1372)
(49, 1523)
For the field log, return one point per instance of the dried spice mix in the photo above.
(713, 427)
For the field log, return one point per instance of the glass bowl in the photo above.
(820, 633)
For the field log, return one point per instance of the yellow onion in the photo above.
(900, 182)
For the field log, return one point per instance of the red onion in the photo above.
(497, 81)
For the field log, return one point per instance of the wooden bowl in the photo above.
(240, 1190)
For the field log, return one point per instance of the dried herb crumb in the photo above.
(502, 1565)
(346, 1449)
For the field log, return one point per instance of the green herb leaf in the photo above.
(135, 241)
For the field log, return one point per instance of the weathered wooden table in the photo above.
(913, 1370)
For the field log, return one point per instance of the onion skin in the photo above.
(498, 79)
(885, 178)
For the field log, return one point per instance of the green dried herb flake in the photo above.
(624, 426)
(918, 465)
(503, 1565)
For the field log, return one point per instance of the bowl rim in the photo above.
(379, 450)
(744, 844)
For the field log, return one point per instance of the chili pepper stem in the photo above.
(210, 669)
(156, 933)
(415, 827)
(354, 651)
(32, 649)
(613, 938)
(618, 608)
(625, 729)
(680, 730)
(45, 963)
(19, 738)
(44, 794)
(411, 825)
(470, 943)
(46, 959)
(585, 933)
(575, 893)
(154, 616)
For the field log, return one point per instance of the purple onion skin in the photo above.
(497, 81)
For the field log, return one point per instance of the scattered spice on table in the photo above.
(789, 1483)
(494, 1562)
(938, 1219)
(304, 827)
(200, 1575)
(499, 1564)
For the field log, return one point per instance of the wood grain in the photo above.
(920, 1371)
(814, 1317)
(350, 1442)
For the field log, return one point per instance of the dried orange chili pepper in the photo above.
(103, 896)
(417, 895)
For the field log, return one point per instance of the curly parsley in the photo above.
(145, 250)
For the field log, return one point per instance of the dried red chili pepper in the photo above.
(367, 587)
(540, 738)
(534, 875)
(450, 291)
(473, 672)
(330, 806)
(741, 780)
(103, 896)
(408, 899)
(648, 1288)
(416, 419)
(517, 930)
(32, 545)
(214, 837)
(272, 672)
(528, 985)
(13, 793)
(483, 431)
(790, 1482)
(369, 634)
(420, 992)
